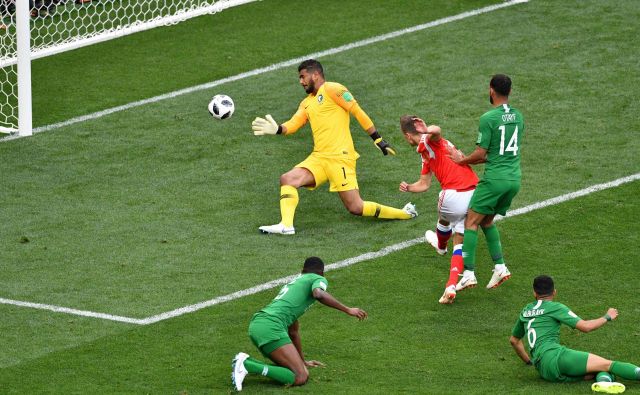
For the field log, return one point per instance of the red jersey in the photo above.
(435, 158)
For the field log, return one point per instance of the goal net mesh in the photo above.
(60, 25)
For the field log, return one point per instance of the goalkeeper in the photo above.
(327, 108)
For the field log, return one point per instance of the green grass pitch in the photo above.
(157, 207)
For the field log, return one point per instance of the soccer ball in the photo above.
(221, 107)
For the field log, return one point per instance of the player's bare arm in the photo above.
(422, 185)
(294, 335)
(518, 347)
(434, 131)
(327, 299)
(479, 155)
(591, 325)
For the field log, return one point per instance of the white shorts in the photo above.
(453, 206)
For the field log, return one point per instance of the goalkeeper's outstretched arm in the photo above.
(366, 124)
(266, 125)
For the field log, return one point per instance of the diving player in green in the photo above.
(540, 323)
(499, 145)
(274, 329)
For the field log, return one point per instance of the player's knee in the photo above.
(354, 208)
(301, 378)
(286, 179)
(470, 224)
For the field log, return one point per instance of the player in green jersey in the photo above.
(274, 329)
(498, 145)
(540, 323)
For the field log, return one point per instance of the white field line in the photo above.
(275, 66)
(338, 265)
(383, 252)
(58, 309)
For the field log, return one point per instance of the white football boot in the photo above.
(410, 209)
(239, 371)
(432, 238)
(278, 229)
(500, 275)
(468, 280)
(449, 295)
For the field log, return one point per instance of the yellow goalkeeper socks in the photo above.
(288, 203)
(372, 209)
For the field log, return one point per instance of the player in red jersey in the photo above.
(457, 182)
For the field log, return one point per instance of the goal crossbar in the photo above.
(79, 42)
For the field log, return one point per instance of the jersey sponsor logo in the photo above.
(511, 117)
(320, 98)
(323, 285)
(347, 96)
(572, 314)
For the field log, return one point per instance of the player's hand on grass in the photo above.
(613, 313)
(314, 364)
(266, 125)
(404, 187)
(358, 313)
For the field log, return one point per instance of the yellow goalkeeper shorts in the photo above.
(340, 172)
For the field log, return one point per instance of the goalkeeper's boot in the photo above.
(432, 239)
(608, 387)
(239, 371)
(468, 280)
(449, 295)
(278, 229)
(500, 275)
(410, 209)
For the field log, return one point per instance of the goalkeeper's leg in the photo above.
(289, 184)
(288, 203)
(356, 206)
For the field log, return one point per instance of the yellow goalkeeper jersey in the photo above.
(328, 113)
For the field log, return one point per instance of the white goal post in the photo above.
(32, 29)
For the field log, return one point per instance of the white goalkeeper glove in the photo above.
(262, 126)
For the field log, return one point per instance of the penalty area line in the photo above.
(273, 67)
(337, 265)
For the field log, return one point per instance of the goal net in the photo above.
(48, 27)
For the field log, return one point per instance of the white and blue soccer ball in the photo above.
(221, 107)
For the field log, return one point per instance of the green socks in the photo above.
(469, 244)
(493, 242)
(625, 370)
(278, 373)
(606, 377)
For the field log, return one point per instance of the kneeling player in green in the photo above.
(274, 329)
(540, 322)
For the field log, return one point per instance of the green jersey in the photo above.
(295, 298)
(540, 322)
(500, 133)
